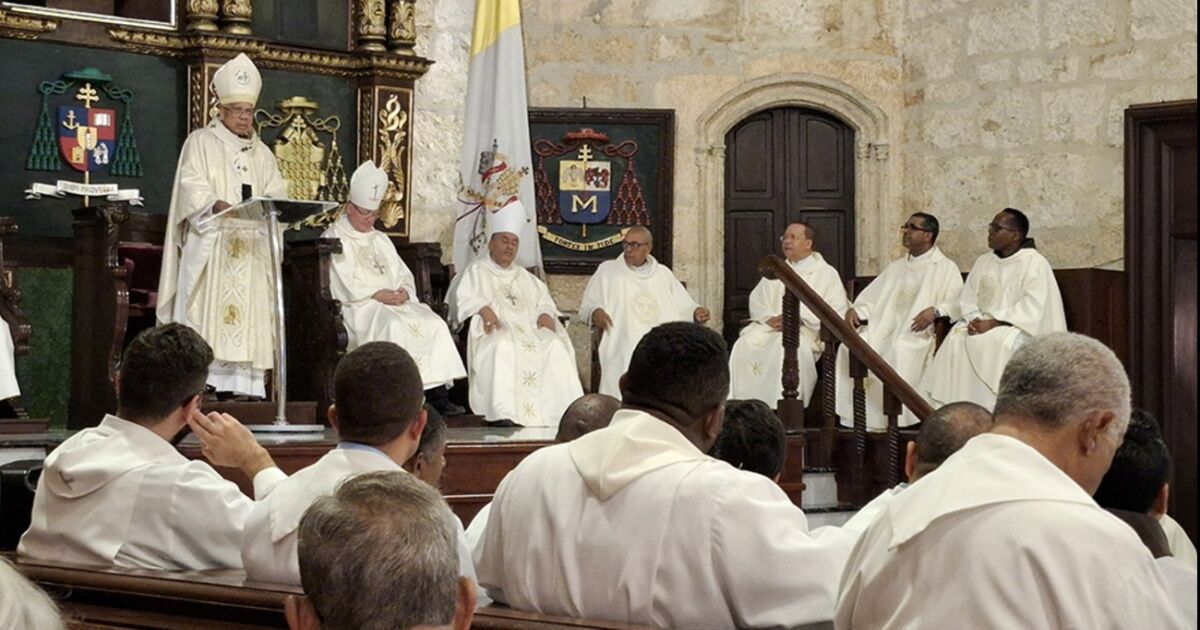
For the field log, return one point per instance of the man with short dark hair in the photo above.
(894, 315)
(119, 494)
(378, 555)
(1005, 533)
(379, 416)
(429, 462)
(1010, 297)
(635, 523)
(752, 438)
(756, 361)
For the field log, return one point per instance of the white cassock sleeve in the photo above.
(545, 303)
(593, 296)
(471, 294)
(1029, 313)
(868, 298)
(950, 279)
(194, 195)
(685, 304)
(765, 300)
(968, 300)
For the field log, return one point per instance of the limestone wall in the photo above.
(1022, 103)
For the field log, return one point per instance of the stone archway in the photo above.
(871, 154)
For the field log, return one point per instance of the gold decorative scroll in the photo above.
(590, 246)
(236, 14)
(372, 25)
(201, 15)
(21, 27)
(402, 26)
(392, 123)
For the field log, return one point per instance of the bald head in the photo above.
(588, 413)
(944, 432)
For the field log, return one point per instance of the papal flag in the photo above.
(495, 167)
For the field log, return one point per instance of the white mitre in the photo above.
(238, 81)
(367, 186)
(510, 218)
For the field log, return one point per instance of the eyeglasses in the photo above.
(996, 227)
(634, 245)
(908, 227)
(238, 112)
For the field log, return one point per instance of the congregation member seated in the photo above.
(378, 554)
(24, 605)
(120, 494)
(429, 462)
(378, 415)
(1010, 297)
(895, 314)
(752, 438)
(1135, 490)
(8, 365)
(1005, 533)
(628, 296)
(756, 362)
(941, 435)
(635, 523)
(521, 360)
(379, 294)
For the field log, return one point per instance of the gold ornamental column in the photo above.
(371, 30)
(402, 26)
(201, 15)
(236, 16)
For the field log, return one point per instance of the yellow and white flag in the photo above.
(495, 167)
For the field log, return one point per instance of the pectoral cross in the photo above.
(512, 299)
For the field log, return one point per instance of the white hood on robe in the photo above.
(81, 467)
(635, 443)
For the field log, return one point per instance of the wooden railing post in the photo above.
(790, 407)
(891, 409)
(828, 396)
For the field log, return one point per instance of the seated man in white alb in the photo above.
(1010, 296)
(216, 273)
(8, 367)
(1005, 533)
(895, 313)
(756, 362)
(522, 362)
(378, 415)
(626, 298)
(635, 523)
(120, 494)
(379, 295)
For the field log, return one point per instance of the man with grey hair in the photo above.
(1005, 534)
(379, 553)
(626, 297)
(24, 605)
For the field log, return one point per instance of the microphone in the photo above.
(247, 191)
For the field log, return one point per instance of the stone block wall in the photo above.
(1021, 103)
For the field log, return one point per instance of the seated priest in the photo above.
(634, 523)
(1010, 297)
(378, 415)
(119, 494)
(379, 295)
(895, 313)
(752, 438)
(626, 298)
(8, 366)
(216, 273)
(756, 362)
(1006, 534)
(522, 362)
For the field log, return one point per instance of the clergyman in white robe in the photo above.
(633, 523)
(1019, 291)
(636, 299)
(216, 274)
(8, 366)
(369, 265)
(889, 304)
(756, 361)
(120, 495)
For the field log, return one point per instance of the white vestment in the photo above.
(218, 281)
(120, 495)
(756, 361)
(1181, 580)
(1019, 290)
(1181, 546)
(8, 367)
(999, 537)
(889, 304)
(269, 546)
(519, 372)
(632, 523)
(869, 512)
(369, 263)
(637, 299)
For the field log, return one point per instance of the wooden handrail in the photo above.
(775, 268)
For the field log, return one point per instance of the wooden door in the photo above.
(1160, 251)
(783, 165)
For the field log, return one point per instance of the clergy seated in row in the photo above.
(1135, 490)
(635, 523)
(379, 417)
(522, 364)
(1010, 296)
(120, 494)
(894, 315)
(943, 433)
(23, 604)
(626, 298)
(8, 365)
(377, 553)
(752, 439)
(378, 292)
(1005, 534)
(756, 363)
(216, 272)
(590, 412)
